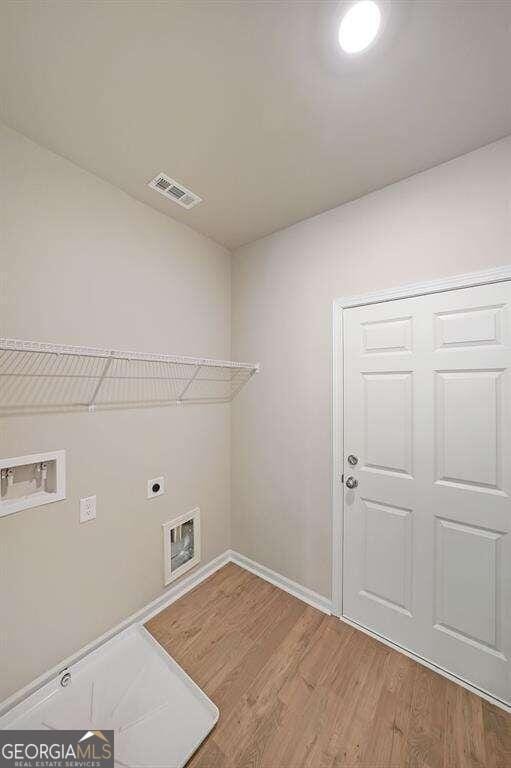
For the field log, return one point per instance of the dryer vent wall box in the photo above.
(181, 545)
(31, 481)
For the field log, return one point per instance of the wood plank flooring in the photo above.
(298, 688)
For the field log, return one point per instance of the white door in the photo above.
(427, 414)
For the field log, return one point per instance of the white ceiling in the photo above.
(248, 103)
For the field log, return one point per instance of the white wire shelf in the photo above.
(40, 377)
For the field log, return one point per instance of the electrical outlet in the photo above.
(155, 487)
(87, 509)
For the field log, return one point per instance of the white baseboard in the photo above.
(325, 605)
(167, 598)
(188, 583)
(302, 593)
(139, 617)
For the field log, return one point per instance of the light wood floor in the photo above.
(298, 688)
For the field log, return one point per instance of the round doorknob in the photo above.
(351, 482)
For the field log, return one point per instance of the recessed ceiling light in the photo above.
(359, 26)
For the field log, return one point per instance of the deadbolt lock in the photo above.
(351, 482)
(352, 460)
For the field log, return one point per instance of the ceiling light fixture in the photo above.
(359, 26)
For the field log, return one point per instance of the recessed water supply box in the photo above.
(31, 481)
(181, 545)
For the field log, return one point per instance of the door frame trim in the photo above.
(407, 291)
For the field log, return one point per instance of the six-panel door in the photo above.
(427, 412)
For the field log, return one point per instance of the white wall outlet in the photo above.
(155, 487)
(87, 509)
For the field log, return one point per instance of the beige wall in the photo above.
(83, 263)
(455, 218)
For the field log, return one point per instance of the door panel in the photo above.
(467, 604)
(427, 412)
(468, 404)
(393, 335)
(472, 328)
(388, 422)
(388, 531)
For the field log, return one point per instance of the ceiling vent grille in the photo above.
(175, 191)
